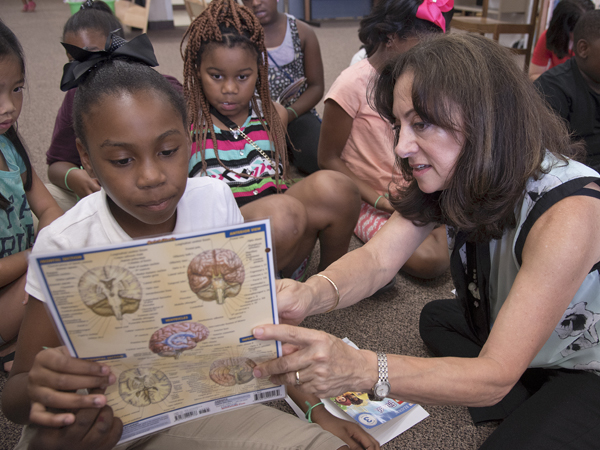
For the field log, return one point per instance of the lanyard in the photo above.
(287, 75)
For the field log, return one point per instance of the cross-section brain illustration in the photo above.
(110, 291)
(232, 371)
(176, 338)
(142, 387)
(216, 275)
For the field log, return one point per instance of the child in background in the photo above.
(88, 29)
(21, 193)
(133, 137)
(294, 53)
(240, 138)
(356, 141)
(555, 45)
(573, 89)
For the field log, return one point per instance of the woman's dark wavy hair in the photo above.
(117, 78)
(97, 17)
(11, 47)
(469, 84)
(564, 18)
(395, 17)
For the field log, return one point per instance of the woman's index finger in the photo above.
(289, 334)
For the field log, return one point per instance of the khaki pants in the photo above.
(255, 427)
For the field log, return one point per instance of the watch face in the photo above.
(382, 389)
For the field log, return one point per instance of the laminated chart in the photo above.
(173, 318)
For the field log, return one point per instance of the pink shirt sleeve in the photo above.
(346, 91)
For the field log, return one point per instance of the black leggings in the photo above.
(547, 409)
(304, 133)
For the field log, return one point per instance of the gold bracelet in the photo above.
(337, 291)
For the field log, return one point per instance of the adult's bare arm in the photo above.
(557, 256)
(358, 274)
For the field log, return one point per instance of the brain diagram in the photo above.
(232, 371)
(110, 291)
(216, 275)
(176, 338)
(142, 387)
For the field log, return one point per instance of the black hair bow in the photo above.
(139, 49)
(88, 4)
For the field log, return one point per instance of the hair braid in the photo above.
(207, 29)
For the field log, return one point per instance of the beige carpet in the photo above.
(387, 322)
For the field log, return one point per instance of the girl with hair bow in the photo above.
(356, 141)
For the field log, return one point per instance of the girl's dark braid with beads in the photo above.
(217, 24)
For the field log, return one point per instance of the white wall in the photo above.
(160, 10)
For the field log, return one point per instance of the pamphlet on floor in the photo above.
(173, 318)
(384, 420)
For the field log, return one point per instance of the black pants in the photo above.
(304, 133)
(547, 409)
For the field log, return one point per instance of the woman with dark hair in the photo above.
(483, 155)
(357, 142)
(555, 45)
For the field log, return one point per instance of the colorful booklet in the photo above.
(290, 91)
(367, 413)
(173, 318)
(384, 420)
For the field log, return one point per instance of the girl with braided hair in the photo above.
(239, 137)
(132, 135)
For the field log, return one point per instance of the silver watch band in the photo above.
(382, 365)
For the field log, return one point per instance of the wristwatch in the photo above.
(382, 388)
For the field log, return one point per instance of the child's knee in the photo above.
(433, 264)
(288, 216)
(290, 220)
(430, 260)
(335, 182)
(337, 190)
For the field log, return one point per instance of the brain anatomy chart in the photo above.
(172, 316)
(143, 387)
(232, 371)
(216, 275)
(174, 339)
(110, 291)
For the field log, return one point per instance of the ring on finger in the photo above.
(298, 382)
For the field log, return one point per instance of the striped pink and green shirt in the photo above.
(239, 157)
